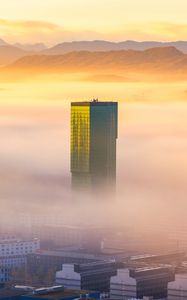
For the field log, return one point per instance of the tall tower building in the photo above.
(93, 144)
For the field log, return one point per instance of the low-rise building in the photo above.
(52, 260)
(177, 290)
(90, 276)
(140, 282)
(13, 254)
(14, 246)
(173, 258)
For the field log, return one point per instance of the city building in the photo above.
(14, 246)
(94, 128)
(43, 261)
(13, 254)
(177, 290)
(58, 236)
(172, 258)
(90, 276)
(141, 282)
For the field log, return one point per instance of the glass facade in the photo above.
(93, 143)
(80, 139)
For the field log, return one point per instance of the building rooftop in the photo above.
(156, 271)
(76, 254)
(84, 227)
(94, 102)
(169, 255)
(150, 268)
(12, 240)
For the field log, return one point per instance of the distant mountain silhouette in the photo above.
(3, 43)
(31, 47)
(36, 47)
(92, 46)
(86, 57)
(151, 60)
(9, 54)
(99, 45)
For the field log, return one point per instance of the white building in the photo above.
(12, 246)
(122, 286)
(137, 283)
(93, 276)
(13, 253)
(69, 277)
(178, 289)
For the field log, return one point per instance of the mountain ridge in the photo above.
(18, 50)
(3, 43)
(9, 54)
(102, 45)
(168, 58)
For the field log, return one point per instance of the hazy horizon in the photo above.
(80, 20)
(36, 92)
(151, 155)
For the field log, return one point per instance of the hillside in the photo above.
(9, 54)
(156, 59)
(3, 43)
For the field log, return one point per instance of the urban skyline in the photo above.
(93, 192)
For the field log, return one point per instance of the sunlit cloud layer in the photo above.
(142, 31)
(42, 31)
(58, 20)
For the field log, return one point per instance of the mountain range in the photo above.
(3, 43)
(11, 52)
(96, 59)
(111, 46)
(167, 59)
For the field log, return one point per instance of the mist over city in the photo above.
(93, 163)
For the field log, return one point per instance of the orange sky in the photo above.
(54, 21)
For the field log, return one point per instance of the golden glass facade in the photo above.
(80, 139)
(93, 143)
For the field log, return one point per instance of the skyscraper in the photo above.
(93, 144)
